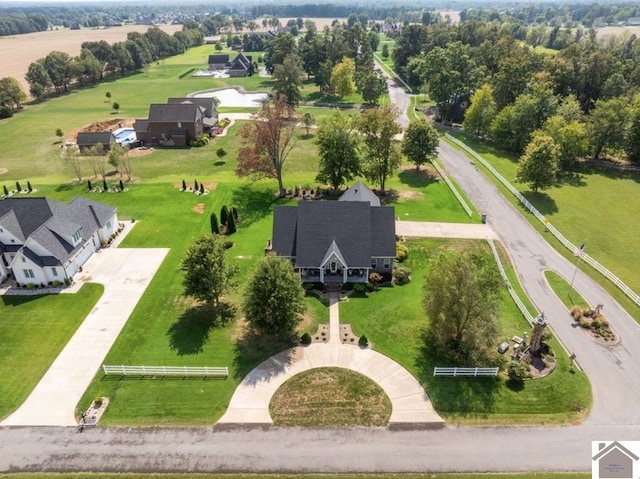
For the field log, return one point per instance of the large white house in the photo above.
(44, 241)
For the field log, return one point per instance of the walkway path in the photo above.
(410, 404)
(125, 274)
(423, 229)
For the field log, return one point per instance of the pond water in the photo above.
(232, 97)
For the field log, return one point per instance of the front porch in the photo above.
(329, 275)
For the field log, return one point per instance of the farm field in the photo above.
(19, 51)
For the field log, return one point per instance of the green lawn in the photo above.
(33, 331)
(569, 296)
(168, 329)
(393, 320)
(596, 206)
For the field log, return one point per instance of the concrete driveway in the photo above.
(125, 274)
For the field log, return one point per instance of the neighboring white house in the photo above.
(44, 240)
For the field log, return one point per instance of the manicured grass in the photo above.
(33, 331)
(330, 397)
(569, 296)
(166, 328)
(393, 320)
(591, 205)
(84, 475)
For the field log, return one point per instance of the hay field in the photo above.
(19, 51)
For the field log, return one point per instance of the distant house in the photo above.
(241, 66)
(218, 62)
(208, 103)
(171, 124)
(88, 139)
(43, 240)
(336, 241)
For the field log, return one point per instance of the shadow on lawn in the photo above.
(254, 202)
(542, 201)
(418, 179)
(189, 333)
(252, 349)
(460, 396)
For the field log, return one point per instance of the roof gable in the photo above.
(359, 192)
(207, 103)
(615, 445)
(174, 112)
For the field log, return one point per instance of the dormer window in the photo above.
(77, 237)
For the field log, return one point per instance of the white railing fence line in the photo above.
(473, 372)
(184, 371)
(552, 229)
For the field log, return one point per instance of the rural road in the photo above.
(612, 370)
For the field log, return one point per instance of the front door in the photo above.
(334, 267)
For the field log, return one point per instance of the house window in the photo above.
(24, 260)
(334, 266)
(374, 263)
(54, 271)
(28, 273)
(387, 263)
(108, 225)
(77, 237)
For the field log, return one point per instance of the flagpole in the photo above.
(580, 250)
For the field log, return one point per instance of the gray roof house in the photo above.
(171, 124)
(43, 240)
(336, 241)
(219, 61)
(87, 139)
(241, 66)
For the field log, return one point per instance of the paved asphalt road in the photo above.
(613, 371)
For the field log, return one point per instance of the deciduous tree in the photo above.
(478, 117)
(207, 273)
(274, 298)
(420, 142)
(338, 148)
(539, 165)
(267, 142)
(461, 298)
(287, 78)
(382, 158)
(607, 125)
(72, 158)
(342, 77)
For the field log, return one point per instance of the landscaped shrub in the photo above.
(224, 215)
(195, 185)
(201, 189)
(6, 191)
(363, 342)
(359, 287)
(231, 225)
(401, 275)
(18, 187)
(402, 252)
(121, 186)
(184, 185)
(576, 313)
(104, 185)
(29, 189)
(234, 211)
(201, 140)
(305, 339)
(215, 228)
(518, 370)
(89, 185)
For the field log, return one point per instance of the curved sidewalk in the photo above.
(410, 403)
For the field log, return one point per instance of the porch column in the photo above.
(322, 275)
(344, 274)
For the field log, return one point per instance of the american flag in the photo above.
(578, 252)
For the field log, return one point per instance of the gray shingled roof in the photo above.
(218, 59)
(308, 232)
(187, 112)
(205, 102)
(45, 221)
(359, 192)
(90, 138)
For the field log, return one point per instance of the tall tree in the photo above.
(461, 297)
(570, 136)
(632, 138)
(342, 77)
(39, 80)
(539, 165)
(607, 125)
(478, 117)
(287, 79)
(11, 93)
(277, 49)
(207, 273)
(420, 142)
(379, 127)
(372, 86)
(338, 148)
(274, 299)
(267, 142)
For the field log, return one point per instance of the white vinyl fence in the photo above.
(474, 372)
(554, 231)
(164, 371)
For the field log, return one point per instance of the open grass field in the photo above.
(19, 51)
(592, 205)
(167, 328)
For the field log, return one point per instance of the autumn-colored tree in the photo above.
(267, 142)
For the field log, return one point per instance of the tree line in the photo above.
(581, 101)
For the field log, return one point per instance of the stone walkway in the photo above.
(410, 403)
